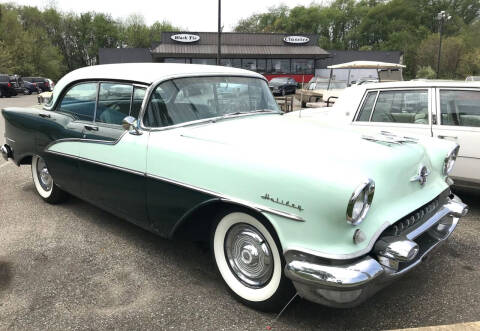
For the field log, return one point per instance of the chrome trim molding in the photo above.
(227, 198)
(451, 156)
(107, 165)
(84, 140)
(367, 190)
(255, 206)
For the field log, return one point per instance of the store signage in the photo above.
(185, 37)
(296, 40)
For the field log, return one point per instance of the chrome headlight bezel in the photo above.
(449, 161)
(364, 191)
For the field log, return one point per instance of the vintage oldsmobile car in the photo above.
(204, 152)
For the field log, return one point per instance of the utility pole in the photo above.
(442, 17)
(219, 42)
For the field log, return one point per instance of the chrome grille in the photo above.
(418, 217)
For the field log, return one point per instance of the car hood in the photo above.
(318, 160)
(279, 137)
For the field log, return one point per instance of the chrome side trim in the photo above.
(227, 198)
(223, 197)
(107, 165)
(84, 140)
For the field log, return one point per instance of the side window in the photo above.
(461, 108)
(138, 96)
(80, 101)
(402, 107)
(367, 107)
(113, 102)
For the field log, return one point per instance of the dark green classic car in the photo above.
(204, 152)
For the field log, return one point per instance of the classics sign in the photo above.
(296, 40)
(185, 37)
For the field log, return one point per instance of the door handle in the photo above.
(91, 128)
(44, 115)
(443, 137)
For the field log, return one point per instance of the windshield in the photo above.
(189, 99)
(279, 80)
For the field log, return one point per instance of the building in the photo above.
(271, 54)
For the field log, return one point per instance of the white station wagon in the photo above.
(447, 110)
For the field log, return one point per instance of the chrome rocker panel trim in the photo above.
(341, 284)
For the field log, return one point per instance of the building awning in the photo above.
(269, 51)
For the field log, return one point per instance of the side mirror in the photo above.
(130, 124)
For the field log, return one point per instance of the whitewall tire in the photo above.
(248, 258)
(43, 181)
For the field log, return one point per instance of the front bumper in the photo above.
(346, 284)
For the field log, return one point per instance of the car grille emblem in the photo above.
(422, 175)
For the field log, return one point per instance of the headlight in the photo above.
(360, 202)
(450, 161)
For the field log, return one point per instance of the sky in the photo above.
(192, 15)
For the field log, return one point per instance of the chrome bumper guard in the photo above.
(347, 284)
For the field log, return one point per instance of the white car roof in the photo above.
(420, 83)
(146, 73)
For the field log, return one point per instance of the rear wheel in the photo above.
(44, 183)
(249, 260)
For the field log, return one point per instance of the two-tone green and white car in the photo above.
(204, 152)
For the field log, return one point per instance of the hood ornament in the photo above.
(422, 175)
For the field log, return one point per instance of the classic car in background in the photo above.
(282, 85)
(324, 91)
(200, 151)
(448, 110)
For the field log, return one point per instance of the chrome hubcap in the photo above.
(43, 175)
(249, 255)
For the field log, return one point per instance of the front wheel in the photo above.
(44, 183)
(249, 261)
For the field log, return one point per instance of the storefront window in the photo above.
(236, 63)
(302, 66)
(249, 64)
(278, 66)
(204, 61)
(261, 65)
(175, 60)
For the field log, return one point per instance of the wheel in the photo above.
(1, 93)
(283, 92)
(304, 104)
(248, 258)
(44, 183)
(27, 92)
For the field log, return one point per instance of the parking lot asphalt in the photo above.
(74, 266)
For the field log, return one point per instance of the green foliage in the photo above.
(426, 72)
(50, 43)
(409, 26)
